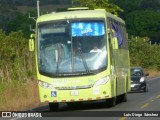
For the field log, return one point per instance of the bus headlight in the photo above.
(101, 81)
(142, 79)
(45, 85)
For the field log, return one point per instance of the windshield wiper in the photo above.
(83, 59)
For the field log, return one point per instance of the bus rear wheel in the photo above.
(124, 97)
(53, 106)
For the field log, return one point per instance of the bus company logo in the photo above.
(65, 81)
(59, 81)
(90, 80)
(74, 88)
(6, 114)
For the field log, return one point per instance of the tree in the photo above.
(149, 4)
(102, 4)
(144, 23)
(20, 22)
(143, 54)
(142, 17)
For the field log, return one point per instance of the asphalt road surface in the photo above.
(138, 103)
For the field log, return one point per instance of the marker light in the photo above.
(45, 85)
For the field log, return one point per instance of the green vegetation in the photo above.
(144, 23)
(16, 61)
(142, 17)
(21, 22)
(17, 70)
(33, 2)
(143, 53)
(102, 4)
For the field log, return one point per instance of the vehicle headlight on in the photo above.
(101, 81)
(45, 85)
(142, 79)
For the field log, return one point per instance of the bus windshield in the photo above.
(71, 47)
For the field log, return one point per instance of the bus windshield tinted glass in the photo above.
(71, 47)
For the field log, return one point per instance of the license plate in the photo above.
(74, 93)
(132, 85)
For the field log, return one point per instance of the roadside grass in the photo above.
(152, 73)
(16, 96)
(18, 88)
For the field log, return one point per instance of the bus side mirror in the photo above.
(31, 42)
(114, 40)
(31, 45)
(32, 36)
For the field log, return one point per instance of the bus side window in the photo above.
(118, 32)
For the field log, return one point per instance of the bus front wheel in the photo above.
(75, 104)
(53, 106)
(111, 102)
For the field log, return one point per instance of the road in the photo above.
(137, 102)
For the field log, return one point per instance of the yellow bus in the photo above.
(81, 56)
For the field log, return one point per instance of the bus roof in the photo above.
(78, 14)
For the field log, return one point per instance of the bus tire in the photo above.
(111, 102)
(53, 106)
(124, 97)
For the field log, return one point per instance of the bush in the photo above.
(144, 54)
(17, 63)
